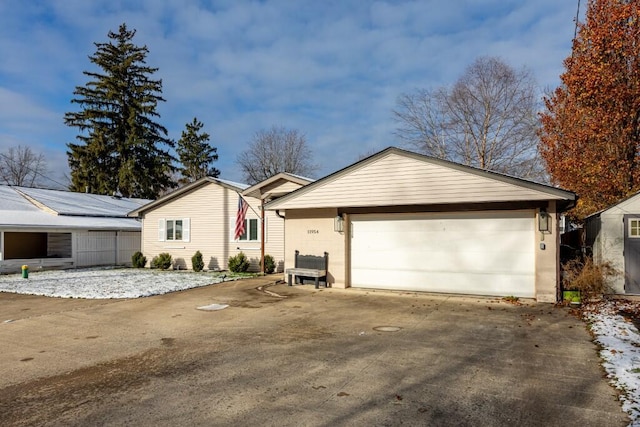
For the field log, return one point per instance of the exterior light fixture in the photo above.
(338, 224)
(544, 221)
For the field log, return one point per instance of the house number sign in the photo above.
(313, 232)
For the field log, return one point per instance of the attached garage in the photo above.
(487, 253)
(403, 221)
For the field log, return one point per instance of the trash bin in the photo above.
(25, 271)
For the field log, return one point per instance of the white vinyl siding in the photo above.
(481, 253)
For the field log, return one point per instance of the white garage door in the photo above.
(481, 253)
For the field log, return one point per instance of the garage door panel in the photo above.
(446, 282)
(490, 253)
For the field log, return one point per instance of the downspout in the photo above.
(278, 213)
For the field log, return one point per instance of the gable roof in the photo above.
(55, 209)
(630, 202)
(269, 187)
(235, 186)
(399, 177)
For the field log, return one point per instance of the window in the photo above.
(634, 228)
(173, 230)
(250, 231)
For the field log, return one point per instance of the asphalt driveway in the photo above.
(315, 357)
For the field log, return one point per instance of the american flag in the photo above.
(243, 206)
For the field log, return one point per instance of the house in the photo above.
(60, 229)
(613, 235)
(201, 216)
(403, 221)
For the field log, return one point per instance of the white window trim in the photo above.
(633, 221)
(162, 229)
(232, 238)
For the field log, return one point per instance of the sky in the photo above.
(332, 70)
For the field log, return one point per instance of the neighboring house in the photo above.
(60, 229)
(614, 236)
(201, 216)
(403, 221)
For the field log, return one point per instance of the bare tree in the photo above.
(487, 120)
(276, 150)
(21, 166)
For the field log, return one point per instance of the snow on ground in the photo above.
(108, 283)
(616, 334)
(620, 342)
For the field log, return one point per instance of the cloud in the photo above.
(330, 69)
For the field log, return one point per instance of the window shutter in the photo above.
(232, 229)
(161, 230)
(186, 230)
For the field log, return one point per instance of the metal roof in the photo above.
(32, 208)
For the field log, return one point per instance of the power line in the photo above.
(35, 172)
(575, 30)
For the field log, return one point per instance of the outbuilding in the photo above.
(613, 236)
(398, 220)
(45, 228)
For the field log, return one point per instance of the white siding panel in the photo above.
(95, 248)
(488, 253)
(400, 180)
(128, 244)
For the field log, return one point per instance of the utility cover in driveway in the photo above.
(481, 253)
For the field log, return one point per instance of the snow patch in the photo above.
(213, 307)
(620, 341)
(107, 283)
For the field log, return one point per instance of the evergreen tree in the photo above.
(121, 147)
(196, 154)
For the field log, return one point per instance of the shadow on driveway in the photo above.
(314, 357)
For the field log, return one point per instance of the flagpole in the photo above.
(261, 216)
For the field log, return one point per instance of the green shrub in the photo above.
(138, 260)
(269, 264)
(161, 261)
(239, 263)
(196, 261)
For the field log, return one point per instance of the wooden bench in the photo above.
(309, 266)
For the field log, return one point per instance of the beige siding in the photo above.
(280, 187)
(211, 210)
(547, 267)
(311, 232)
(274, 243)
(400, 180)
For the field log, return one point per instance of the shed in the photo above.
(403, 221)
(613, 235)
